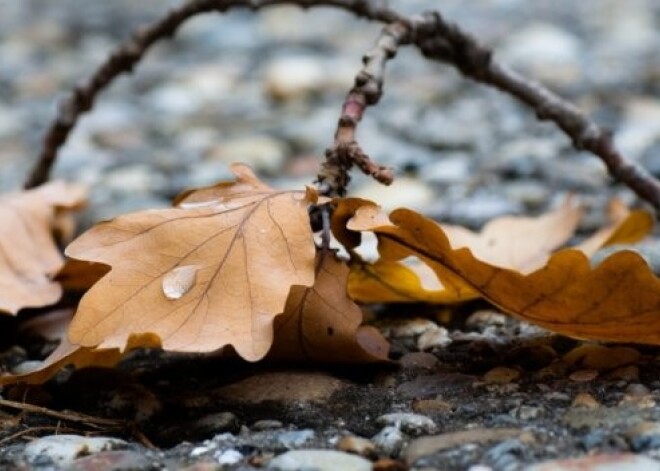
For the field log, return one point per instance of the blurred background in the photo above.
(266, 89)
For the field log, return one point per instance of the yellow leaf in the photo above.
(619, 300)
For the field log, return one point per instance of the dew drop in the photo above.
(178, 282)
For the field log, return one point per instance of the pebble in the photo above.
(501, 375)
(583, 376)
(64, 449)
(586, 401)
(431, 406)
(263, 153)
(285, 387)
(625, 373)
(600, 357)
(411, 424)
(228, 457)
(547, 52)
(644, 436)
(293, 77)
(389, 440)
(436, 338)
(267, 424)
(405, 192)
(111, 460)
(418, 361)
(357, 445)
(425, 446)
(319, 460)
(295, 438)
(600, 462)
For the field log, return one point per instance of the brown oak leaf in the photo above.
(29, 256)
(322, 324)
(523, 244)
(213, 271)
(618, 300)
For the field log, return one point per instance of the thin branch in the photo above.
(124, 59)
(67, 416)
(367, 91)
(436, 38)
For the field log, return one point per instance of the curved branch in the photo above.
(123, 59)
(436, 38)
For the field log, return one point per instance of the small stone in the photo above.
(600, 357)
(295, 438)
(388, 464)
(641, 402)
(425, 446)
(111, 460)
(291, 78)
(625, 373)
(426, 406)
(267, 424)
(389, 440)
(436, 338)
(583, 376)
(412, 424)
(528, 412)
(586, 401)
(357, 445)
(228, 457)
(418, 361)
(481, 319)
(286, 387)
(501, 375)
(319, 460)
(644, 436)
(404, 192)
(263, 153)
(548, 53)
(603, 462)
(64, 449)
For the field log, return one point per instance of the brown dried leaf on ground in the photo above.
(80, 357)
(213, 271)
(619, 300)
(518, 243)
(322, 324)
(29, 256)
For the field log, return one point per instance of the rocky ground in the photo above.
(475, 390)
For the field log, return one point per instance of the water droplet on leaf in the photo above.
(178, 282)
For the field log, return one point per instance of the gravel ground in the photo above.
(484, 392)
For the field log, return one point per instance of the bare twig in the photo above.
(367, 91)
(436, 38)
(69, 416)
(123, 59)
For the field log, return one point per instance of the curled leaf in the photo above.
(29, 256)
(618, 300)
(322, 324)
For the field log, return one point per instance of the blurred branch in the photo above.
(436, 38)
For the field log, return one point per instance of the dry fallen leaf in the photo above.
(322, 324)
(518, 243)
(29, 257)
(80, 357)
(619, 300)
(213, 271)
